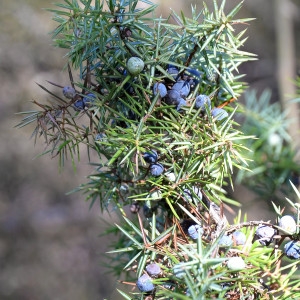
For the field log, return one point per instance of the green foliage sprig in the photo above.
(168, 157)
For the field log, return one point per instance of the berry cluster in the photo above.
(80, 103)
(144, 283)
(233, 239)
(287, 227)
(156, 169)
(176, 93)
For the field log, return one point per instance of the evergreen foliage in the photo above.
(273, 157)
(164, 158)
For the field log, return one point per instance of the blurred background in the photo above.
(50, 243)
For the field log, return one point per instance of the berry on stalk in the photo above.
(194, 231)
(79, 105)
(150, 157)
(144, 283)
(153, 269)
(89, 99)
(201, 102)
(239, 238)
(156, 169)
(264, 234)
(159, 88)
(292, 250)
(135, 65)
(225, 241)
(69, 92)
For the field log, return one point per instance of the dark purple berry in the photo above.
(134, 207)
(153, 269)
(89, 99)
(69, 92)
(201, 102)
(160, 88)
(150, 157)
(194, 231)
(173, 97)
(182, 87)
(79, 104)
(264, 234)
(195, 72)
(292, 249)
(156, 169)
(173, 71)
(144, 283)
(148, 211)
(219, 113)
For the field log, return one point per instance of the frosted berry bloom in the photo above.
(236, 263)
(144, 283)
(219, 113)
(135, 65)
(225, 241)
(69, 92)
(288, 223)
(201, 102)
(159, 88)
(264, 234)
(292, 249)
(194, 231)
(153, 269)
(150, 157)
(156, 169)
(239, 238)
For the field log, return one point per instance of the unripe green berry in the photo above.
(135, 65)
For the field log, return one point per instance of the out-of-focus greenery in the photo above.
(274, 160)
